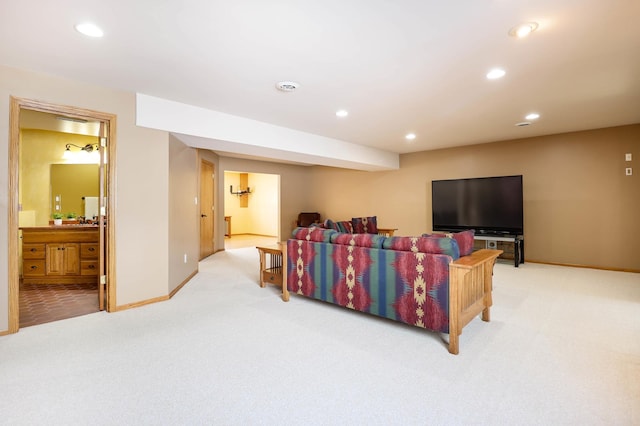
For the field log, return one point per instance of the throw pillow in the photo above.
(365, 225)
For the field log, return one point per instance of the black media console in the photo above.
(517, 241)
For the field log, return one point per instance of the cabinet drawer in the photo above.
(89, 250)
(33, 268)
(33, 251)
(89, 267)
(272, 275)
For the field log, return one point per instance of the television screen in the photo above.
(491, 205)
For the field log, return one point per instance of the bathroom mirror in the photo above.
(70, 183)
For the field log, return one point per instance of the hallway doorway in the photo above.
(252, 206)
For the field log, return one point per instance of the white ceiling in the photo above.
(397, 67)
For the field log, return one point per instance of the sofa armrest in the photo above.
(470, 286)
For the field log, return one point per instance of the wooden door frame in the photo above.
(109, 120)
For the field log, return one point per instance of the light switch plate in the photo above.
(628, 171)
(627, 157)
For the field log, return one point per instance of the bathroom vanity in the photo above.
(60, 254)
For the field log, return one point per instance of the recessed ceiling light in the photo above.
(89, 29)
(342, 113)
(523, 30)
(532, 116)
(496, 73)
(287, 86)
(410, 136)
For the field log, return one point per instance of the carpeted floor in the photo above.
(562, 348)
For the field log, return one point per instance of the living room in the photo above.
(579, 203)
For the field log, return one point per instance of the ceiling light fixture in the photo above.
(532, 116)
(496, 73)
(342, 113)
(287, 86)
(410, 136)
(523, 30)
(89, 29)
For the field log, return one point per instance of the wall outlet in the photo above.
(185, 258)
(628, 171)
(627, 157)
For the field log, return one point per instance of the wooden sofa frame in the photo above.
(470, 286)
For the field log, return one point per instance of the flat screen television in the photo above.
(490, 205)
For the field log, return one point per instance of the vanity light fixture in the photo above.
(87, 148)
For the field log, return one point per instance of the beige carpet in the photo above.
(562, 348)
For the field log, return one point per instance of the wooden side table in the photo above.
(271, 265)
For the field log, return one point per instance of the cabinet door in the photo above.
(63, 259)
(55, 259)
(71, 259)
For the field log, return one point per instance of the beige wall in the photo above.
(579, 207)
(141, 223)
(184, 213)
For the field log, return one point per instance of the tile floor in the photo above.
(42, 303)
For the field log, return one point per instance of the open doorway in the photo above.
(76, 256)
(251, 209)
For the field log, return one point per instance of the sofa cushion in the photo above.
(463, 238)
(430, 244)
(360, 240)
(314, 233)
(343, 226)
(365, 225)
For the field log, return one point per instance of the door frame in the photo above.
(109, 121)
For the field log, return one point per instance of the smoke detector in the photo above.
(287, 86)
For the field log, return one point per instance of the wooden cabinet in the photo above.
(63, 259)
(60, 254)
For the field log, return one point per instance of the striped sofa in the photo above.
(422, 281)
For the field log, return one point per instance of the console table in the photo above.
(516, 240)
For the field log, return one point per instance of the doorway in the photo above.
(252, 204)
(97, 270)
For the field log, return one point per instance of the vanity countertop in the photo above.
(75, 227)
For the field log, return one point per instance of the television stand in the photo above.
(491, 241)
